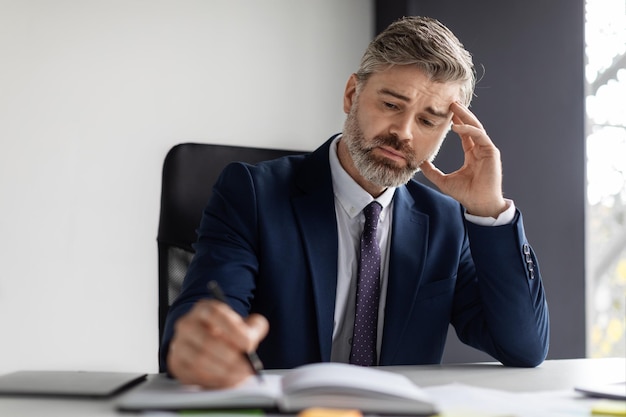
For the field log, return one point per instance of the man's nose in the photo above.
(402, 127)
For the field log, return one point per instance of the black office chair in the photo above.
(189, 172)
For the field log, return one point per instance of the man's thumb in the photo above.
(431, 172)
(258, 326)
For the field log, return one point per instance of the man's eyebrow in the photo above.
(429, 110)
(437, 113)
(393, 94)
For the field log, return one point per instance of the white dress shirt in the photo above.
(350, 199)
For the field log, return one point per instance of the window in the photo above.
(605, 35)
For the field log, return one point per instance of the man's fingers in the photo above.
(472, 135)
(467, 125)
(226, 324)
(215, 366)
(432, 173)
(464, 115)
(258, 326)
(192, 330)
(209, 342)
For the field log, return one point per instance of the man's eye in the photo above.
(390, 106)
(427, 123)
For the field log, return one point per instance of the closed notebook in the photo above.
(614, 391)
(67, 383)
(331, 385)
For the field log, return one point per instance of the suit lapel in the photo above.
(314, 206)
(406, 261)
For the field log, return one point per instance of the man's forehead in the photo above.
(408, 81)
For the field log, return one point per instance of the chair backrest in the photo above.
(189, 172)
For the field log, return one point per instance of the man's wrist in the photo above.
(505, 217)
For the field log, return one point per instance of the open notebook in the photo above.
(333, 385)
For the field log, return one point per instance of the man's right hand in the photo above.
(209, 344)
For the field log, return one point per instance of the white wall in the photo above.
(92, 95)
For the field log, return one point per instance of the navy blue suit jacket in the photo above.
(269, 237)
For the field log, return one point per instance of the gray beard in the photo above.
(379, 171)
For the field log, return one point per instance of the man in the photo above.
(282, 238)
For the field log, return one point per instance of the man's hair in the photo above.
(426, 43)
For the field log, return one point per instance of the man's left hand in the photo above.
(477, 185)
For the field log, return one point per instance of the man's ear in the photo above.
(349, 94)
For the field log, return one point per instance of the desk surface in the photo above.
(552, 375)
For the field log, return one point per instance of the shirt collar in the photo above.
(350, 195)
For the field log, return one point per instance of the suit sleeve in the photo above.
(503, 309)
(225, 250)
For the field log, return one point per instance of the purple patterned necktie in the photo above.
(367, 292)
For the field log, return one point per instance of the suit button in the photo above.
(530, 265)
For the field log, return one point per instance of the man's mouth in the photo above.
(391, 153)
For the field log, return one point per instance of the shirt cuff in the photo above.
(505, 217)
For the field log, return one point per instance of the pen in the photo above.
(252, 357)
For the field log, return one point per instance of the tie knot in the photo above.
(371, 212)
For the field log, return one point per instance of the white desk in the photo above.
(554, 375)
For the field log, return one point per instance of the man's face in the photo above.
(396, 120)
